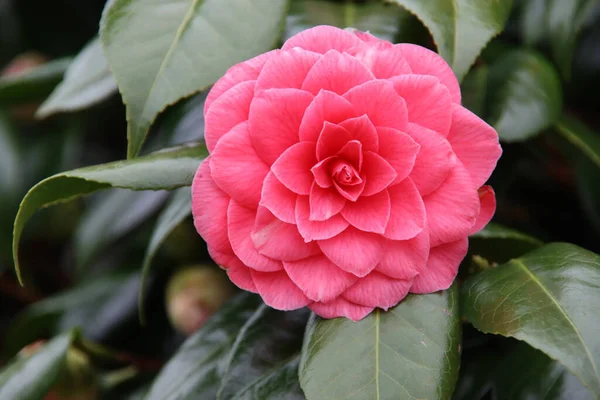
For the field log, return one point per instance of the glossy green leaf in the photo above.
(164, 170)
(33, 85)
(548, 298)
(194, 372)
(474, 89)
(410, 351)
(526, 95)
(378, 18)
(264, 346)
(30, 378)
(87, 81)
(499, 244)
(580, 136)
(279, 384)
(533, 21)
(177, 209)
(194, 44)
(460, 28)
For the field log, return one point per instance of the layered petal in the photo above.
(378, 173)
(324, 203)
(316, 230)
(319, 278)
(278, 291)
(240, 223)
(487, 200)
(336, 72)
(209, 208)
(354, 251)
(274, 120)
(427, 100)
(278, 199)
(434, 161)
(244, 71)
(292, 168)
(407, 211)
(453, 208)
(321, 39)
(240, 275)
(340, 307)
(383, 60)
(279, 240)
(362, 129)
(399, 150)
(352, 153)
(369, 214)
(403, 259)
(378, 290)
(380, 102)
(286, 69)
(322, 172)
(423, 61)
(475, 143)
(237, 169)
(442, 267)
(230, 109)
(326, 107)
(332, 138)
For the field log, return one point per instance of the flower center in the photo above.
(344, 174)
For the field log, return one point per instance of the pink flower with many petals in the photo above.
(343, 173)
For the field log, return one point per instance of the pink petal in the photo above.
(352, 153)
(354, 251)
(475, 143)
(383, 60)
(434, 161)
(321, 172)
(274, 119)
(286, 69)
(316, 230)
(362, 129)
(367, 37)
(332, 138)
(279, 240)
(423, 61)
(453, 208)
(340, 308)
(378, 173)
(240, 275)
(487, 209)
(380, 102)
(351, 192)
(292, 168)
(369, 214)
(399, 150)
(403, 259)
(324, 203)
(336, 72)
(230, 109)
(209, 208)
(321, 39)
(223, 257)
(278, 199)
(240, 222)
(442, 267)
(278, 291)
(407, 215)
(319, 278)
(326, 106)
(242, 72)
(428, 101)
(378, 290)
(237, 169)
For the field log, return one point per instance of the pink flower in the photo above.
(343, 173)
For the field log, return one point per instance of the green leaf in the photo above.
(265, 344)
(526, 95)
(30, 378)
(379, 19)
(163, 170)
(279, 384)
(533, 21)
(194, 44)
(499, 244)
(33, 85)
(548, 298)
(111, 216)
(178, 208)
(581, 137)
(194, 371)
(460, 28)
(87, 81)
(410, 351)
(474, 89)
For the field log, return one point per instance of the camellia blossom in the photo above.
(343, 173)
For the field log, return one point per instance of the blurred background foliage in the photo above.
(537, 83)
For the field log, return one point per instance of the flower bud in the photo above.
(194, 294)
